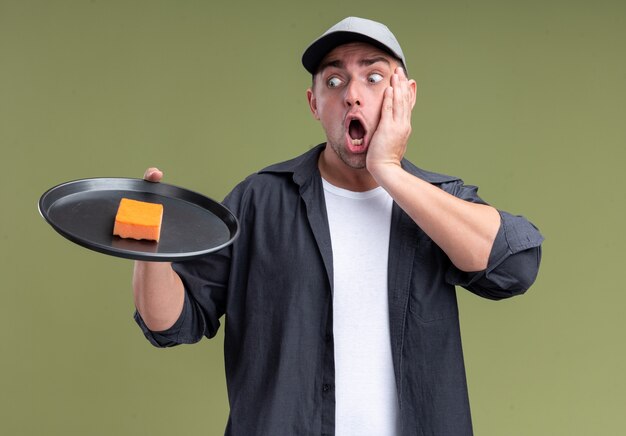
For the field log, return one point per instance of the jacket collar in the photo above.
(304, 167)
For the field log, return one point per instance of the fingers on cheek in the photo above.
(389, 95)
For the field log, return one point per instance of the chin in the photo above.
(354, 161)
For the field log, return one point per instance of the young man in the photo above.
(339, 294)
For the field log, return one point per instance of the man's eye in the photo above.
(334, 82)
(374, 78)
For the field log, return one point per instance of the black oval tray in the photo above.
(84, 211)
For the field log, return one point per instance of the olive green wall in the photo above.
(526, 99)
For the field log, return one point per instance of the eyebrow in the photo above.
(336, 63)
(363, 63)
(371, 61)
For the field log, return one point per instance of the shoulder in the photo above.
(450, 184)
(277, 179)
(300, 168)
(429, 176)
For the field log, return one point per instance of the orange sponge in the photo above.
(138, 220)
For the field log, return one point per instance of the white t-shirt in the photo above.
(365, 387)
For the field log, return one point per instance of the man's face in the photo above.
(347, 97)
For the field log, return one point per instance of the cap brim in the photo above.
(314, 54)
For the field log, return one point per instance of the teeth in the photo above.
(357, 141)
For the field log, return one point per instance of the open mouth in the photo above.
(356, 131)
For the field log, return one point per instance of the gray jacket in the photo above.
(274, 286)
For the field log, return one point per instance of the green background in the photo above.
(525, 99)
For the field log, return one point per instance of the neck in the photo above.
(336, 172)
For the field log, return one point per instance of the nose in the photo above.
(353, 95)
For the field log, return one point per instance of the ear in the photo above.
(413, 87)
(310, 96)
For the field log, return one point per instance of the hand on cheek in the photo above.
(389, 142)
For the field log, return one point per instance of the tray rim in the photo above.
(46, 202)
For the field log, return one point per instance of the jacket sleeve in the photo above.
(514, 259)
(205, 280)
(206, 283)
